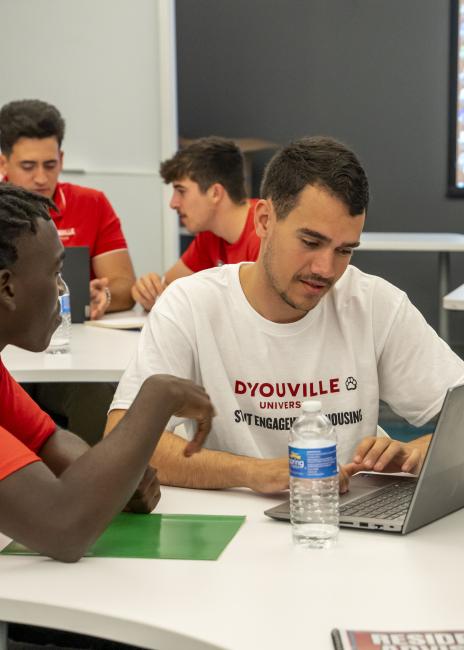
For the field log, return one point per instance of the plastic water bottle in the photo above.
(313, 466)
(61, 339)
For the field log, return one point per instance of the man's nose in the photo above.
(40, 177)
(323, 264)
(174, 203)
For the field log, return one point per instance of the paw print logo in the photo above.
(351, 383)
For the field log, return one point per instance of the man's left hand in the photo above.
(382, 454)
(99, 301)
(147, 494)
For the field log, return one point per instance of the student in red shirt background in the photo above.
(209, 197)
(56, 494)
(31, 135)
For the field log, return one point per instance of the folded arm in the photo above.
(62, 515)
(64, 447)
(61, 450)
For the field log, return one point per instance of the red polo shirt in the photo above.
(208, 250)
(85, 217)
(24, 427)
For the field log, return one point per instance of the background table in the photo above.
(442, 243)
(455, 299)
(97, 354)
(261, 593)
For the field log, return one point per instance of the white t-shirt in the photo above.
(362, 342)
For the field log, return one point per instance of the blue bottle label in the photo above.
(318, 462)
(65, 303)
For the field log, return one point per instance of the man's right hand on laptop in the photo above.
(383, 454)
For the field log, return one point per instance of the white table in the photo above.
(455, 299)
(261, 593)
(97, 354)
(442, 243)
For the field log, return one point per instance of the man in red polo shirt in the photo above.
(31, 134)
(209, 197)
(56, 494)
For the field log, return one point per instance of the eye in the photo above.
(310, 243)
(345, 251)
(50, 165)
(27, 167)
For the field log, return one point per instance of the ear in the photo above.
(7, 292)
(264, 218)
(61, 160)
(216, 192)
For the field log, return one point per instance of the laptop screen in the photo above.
(440, 488)
(76, 274)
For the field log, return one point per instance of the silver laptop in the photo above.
(403, 504)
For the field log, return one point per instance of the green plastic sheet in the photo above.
(175, 537)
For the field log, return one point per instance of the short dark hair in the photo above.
(319, 161)
(207, 161)
(29, 118)
(19, 212)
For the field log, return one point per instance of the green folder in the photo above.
(175, 537)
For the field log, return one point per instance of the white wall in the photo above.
(109, 66)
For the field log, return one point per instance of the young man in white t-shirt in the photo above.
(298, 323)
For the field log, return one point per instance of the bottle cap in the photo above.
(311, 406)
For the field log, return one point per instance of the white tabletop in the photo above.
(97, 354)
(412, 241)
(261, 593)
(454, 299)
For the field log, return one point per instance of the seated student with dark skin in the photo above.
(208, 194)
(56, 494)
(299, 323)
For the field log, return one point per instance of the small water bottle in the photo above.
(61, 339)
(312, 453)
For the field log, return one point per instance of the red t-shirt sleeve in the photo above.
(109, 236)
(198, 255)
(13, 454)
(21, 416)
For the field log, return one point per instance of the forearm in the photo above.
(179, 270)
(210, 470)
(116, 464)
(206, 470)
(121, 297)
(62, 516)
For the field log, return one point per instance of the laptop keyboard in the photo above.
(391, 502)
